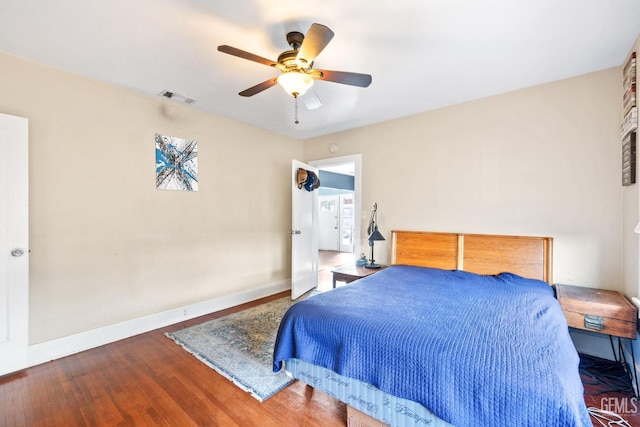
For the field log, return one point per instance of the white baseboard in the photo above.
(65, 346)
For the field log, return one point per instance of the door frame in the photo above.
(356, 159)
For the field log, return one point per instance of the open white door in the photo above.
(329, 223)
(304, 241)
(14, 243)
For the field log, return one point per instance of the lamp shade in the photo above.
(375, 235)
(295, 83)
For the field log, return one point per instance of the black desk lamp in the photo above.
(374, 235)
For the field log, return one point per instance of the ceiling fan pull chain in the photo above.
(295, 117)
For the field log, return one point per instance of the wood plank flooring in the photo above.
(327, 260)
(608, 387)
(148, 380)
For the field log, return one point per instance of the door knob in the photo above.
(17, 252)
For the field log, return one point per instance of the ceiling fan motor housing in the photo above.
(288, 59)
(295, 39)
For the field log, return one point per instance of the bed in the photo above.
(461, 329)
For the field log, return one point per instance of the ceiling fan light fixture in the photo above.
(295, 83)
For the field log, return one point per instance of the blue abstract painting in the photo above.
(176, 163)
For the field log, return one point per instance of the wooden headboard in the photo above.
(477, 253)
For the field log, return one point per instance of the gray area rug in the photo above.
(240, 347)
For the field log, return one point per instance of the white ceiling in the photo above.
(422, 54)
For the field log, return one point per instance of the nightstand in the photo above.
(601, 311)
(349, 273)
(598, 310)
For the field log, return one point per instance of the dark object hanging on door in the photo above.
(307, 179)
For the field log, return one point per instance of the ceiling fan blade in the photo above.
(311, 100)
(246, 55)
(344, 77)
(317, 38)
(259, 87)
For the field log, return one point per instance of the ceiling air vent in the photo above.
(177, 97)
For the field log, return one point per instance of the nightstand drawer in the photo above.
(598, 310)
(609, 325)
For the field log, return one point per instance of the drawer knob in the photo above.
(593, 322)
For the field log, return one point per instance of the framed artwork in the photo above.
(176, 163)
(629, 159)
(629, 84)
(630, 120)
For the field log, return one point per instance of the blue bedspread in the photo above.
(475, 350)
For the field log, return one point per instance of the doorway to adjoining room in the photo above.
(337, 218)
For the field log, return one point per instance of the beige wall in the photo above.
(106, 246)
(539, 161)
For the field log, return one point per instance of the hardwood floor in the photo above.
(148, 380)
(608, 388)
(327, 260)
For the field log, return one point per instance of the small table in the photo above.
(598, 310)
(602, 311)
(349, 273)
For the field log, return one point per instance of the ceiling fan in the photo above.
(296, 65)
